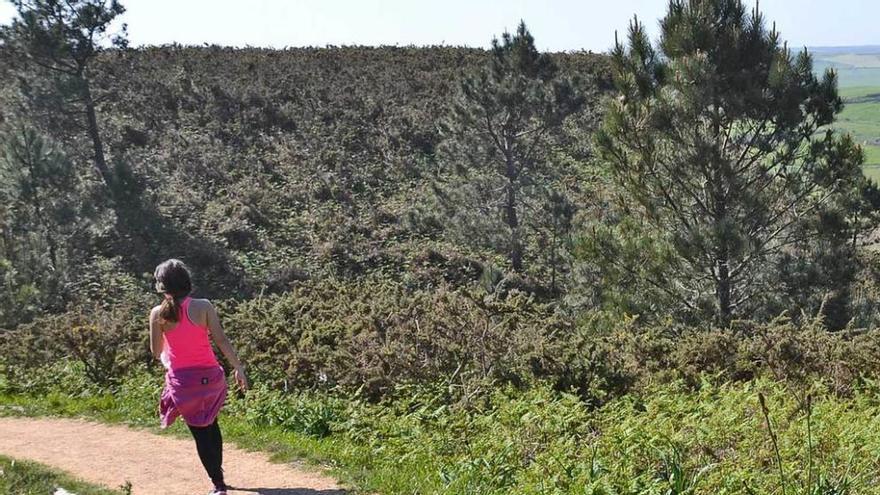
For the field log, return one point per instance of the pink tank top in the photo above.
(187, 345)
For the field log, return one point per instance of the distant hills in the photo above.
(858, 73)
(838, 50)
(856, 66)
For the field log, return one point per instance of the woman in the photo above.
(195, 384)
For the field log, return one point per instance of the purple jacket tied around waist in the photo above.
(197, 394)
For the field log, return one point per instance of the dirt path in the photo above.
(154, 464)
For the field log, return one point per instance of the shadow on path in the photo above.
(287, 491)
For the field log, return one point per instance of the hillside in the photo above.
(261, 167)
(446, 270)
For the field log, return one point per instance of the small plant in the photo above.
(679, 477)
(821, 484)
(765, 411)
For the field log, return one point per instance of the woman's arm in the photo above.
(155, 334)
(224, 345)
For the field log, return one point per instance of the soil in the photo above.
(112, 455)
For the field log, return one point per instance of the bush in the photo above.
(106, 343)
(370, 336)
(373, 337)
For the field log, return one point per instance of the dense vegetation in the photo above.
(670, 439)
(536, 271)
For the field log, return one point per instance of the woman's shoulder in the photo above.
(200, 307)
(199, 311)
(199, 303)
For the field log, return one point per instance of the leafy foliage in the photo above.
(48, 223)
(60, 41)
(717, 139)
(503, 127)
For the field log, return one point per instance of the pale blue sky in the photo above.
(556, 24)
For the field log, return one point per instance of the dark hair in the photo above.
(173, 280)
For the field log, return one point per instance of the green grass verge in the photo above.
(669, 439)
(19, 477)
(134, 403)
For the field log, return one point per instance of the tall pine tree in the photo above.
(47, 223)
(719, 139)
(503, 127)
(61, 39)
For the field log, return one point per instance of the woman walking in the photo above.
(195, 383)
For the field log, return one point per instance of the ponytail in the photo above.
(170, 309)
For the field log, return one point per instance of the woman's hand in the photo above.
(241, 377)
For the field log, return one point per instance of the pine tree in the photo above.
(45, 220)
(503, 126)
(62, 38)
(719, 138)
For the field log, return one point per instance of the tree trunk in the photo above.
(553, 255)
(94, 133)
(722, 257)
(722, 261)
(722, 289)
(36, 202)
(516, 249)
(722, 253)
(855, 235)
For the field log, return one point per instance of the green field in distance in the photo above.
(858, 71)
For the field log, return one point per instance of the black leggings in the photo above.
(209, 444)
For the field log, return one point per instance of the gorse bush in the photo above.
(107, 343)
(269, 166)
(266, 168)
(370, 338)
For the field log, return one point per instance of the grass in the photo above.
(132, 408)
(283, 446)
(347, 462)
(858, 77)
(861, 119)
(669, 439)
(29, 478)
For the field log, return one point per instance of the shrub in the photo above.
(305, 413)
(106, 343)
(374, 335)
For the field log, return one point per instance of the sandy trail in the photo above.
(154, 464)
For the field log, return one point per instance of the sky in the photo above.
(558, 25)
